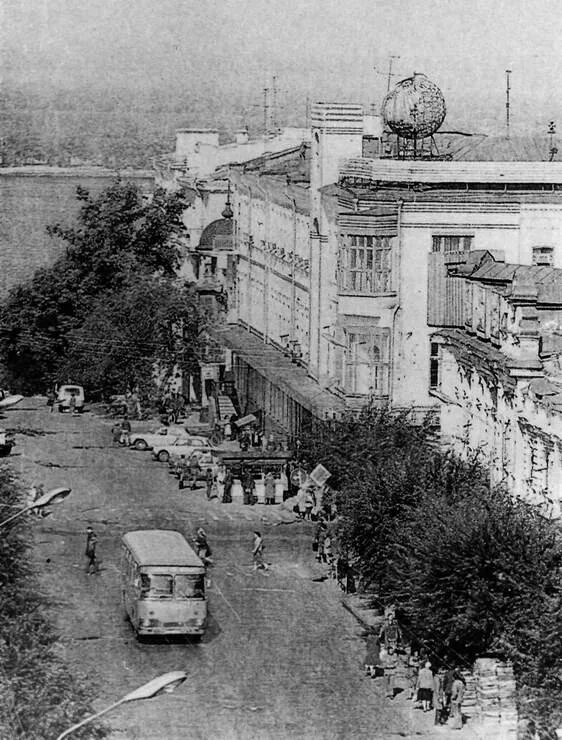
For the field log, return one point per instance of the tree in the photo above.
(149, 324)
(471, 569)
(121, 240)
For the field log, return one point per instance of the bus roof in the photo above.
(161, 547)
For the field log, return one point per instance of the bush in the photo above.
(40, 697)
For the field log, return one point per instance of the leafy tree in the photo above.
(40, 696)
(471, 569)
(50, 326)
(149, 323)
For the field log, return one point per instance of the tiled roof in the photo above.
(222, 227)
(548, 280)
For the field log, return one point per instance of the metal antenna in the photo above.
(391, 59)
(507, 89)
(266, 110)
(274, 103)
(553, 149)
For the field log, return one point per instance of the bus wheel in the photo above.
(163, 456)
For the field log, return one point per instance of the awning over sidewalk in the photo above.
(272, 364)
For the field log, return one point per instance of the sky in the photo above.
(326, 49)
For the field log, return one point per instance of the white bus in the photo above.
(163, 584)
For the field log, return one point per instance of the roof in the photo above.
(222, 227)
(161, 547)
(548, 280)
(272, 364)
(278, 190)
(435, 172)
(482, 148)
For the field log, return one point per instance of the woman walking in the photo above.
(425, 687)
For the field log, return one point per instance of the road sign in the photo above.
(320, 475)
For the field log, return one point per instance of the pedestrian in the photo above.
(72, 404)
(209, 480)
(257, 552)
(448, 679)
(91, 546)
(321, 533)
(309, 503)
(372, 656)
(269, 488)
(256, 437)
(457, 696)
(249, 485)
(413, 670)
(227, 429)
(228, 481)
(194, 471)
(244, 440)
(126, 431)
(390, 632)
(202, 547)
(425, 687)
(438, 703)
(399, 675)
(51, 397)
(116, 432)
(220, 482)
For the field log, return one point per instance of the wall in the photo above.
(518, 436)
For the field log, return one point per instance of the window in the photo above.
(434, 372)
(366, 264)
(366, 361)
(190, 587)
(543, 256)
(156, 586)
(453, 243)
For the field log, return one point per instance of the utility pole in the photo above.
(391, 59)
(507, 89)
(266, 92)
(274, 103)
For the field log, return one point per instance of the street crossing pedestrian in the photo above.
(91, 548)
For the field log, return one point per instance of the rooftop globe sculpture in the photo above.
(414, 109)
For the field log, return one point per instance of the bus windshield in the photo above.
(190, 587)
(156, 586)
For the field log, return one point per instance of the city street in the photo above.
(281, 657)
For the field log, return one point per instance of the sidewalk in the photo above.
(420, 722)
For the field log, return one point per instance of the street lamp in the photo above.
(167, 682)
(54, 496)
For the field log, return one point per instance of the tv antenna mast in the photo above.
(391, 59)
(507, 89)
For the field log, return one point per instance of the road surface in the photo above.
(281, 657)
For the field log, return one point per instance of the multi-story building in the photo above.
(337, 279)
(495, 365)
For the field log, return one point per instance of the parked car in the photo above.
(65, 393)
(7, 441)
(163, 451)
(148, 440)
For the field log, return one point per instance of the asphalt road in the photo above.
(281, 658)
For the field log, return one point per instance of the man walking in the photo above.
(91, 544)
(257, 552)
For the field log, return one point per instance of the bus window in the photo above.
(155, 586)
(190, 587)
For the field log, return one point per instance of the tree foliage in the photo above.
(472, 569)
(40, 697)
(111, 299)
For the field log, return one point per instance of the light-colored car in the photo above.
(65, 393)
(163, 451)
(148, 440)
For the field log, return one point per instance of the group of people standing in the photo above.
(441, 690)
